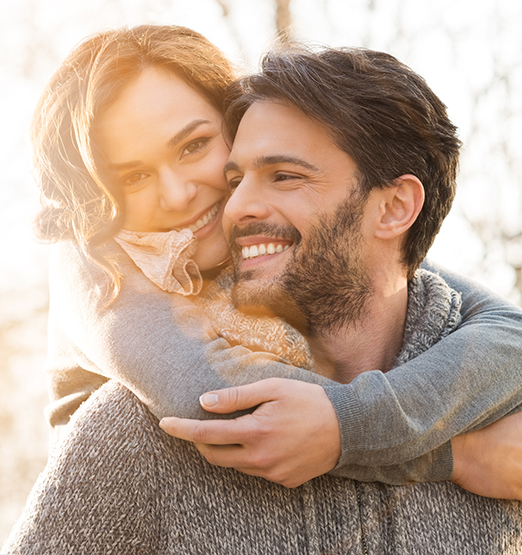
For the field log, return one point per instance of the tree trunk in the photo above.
(283, 20)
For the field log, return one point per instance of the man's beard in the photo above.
(324, 286)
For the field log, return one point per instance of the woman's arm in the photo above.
(488, 462)
(165, 351)
(159, 345)
(387, 421)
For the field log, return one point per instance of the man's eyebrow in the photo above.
(272, 160)
(230, 166)
(173, 141)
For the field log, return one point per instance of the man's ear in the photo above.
(400, 205)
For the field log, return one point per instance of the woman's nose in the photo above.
(176, 193)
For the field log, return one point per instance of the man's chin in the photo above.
(267, 299)
(249, 295)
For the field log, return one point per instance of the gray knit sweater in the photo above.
(116, 484)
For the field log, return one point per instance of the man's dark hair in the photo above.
(378, 111)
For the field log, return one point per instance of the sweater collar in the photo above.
(165, 258)
(433, 313)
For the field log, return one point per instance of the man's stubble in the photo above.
(324, 286)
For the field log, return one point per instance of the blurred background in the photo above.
(470, 52)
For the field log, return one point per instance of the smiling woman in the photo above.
(130, 152)
(163, 149)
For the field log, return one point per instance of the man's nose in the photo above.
(248, 202)
(175, 192)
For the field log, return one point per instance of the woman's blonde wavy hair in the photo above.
(77, 203)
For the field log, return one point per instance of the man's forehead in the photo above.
(272, 128)
(273, 108)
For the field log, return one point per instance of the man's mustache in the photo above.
(286, 232)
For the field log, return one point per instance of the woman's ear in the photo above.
(399, 207)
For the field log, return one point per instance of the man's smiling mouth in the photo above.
(258, 239)
(261, 249)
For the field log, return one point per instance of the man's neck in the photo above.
(372, 343)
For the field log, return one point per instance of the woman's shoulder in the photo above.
(77, 277)
(67, 258)
(72, 273)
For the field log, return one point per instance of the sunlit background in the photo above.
(470, 52)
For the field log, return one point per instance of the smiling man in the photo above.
(340, 267)
(342, 171)
(353, 180)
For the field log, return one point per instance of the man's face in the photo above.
(296, 219)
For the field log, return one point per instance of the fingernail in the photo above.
(167, 423)
(163, 423)
(208, 400)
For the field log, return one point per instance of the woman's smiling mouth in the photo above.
(203, 220)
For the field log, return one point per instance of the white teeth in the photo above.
(259, 250)
(203, 221)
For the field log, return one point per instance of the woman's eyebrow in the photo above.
(172, 142)
(185, 132)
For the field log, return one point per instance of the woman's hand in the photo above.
(488, 462)
(292, 436)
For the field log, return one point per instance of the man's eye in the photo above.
(233, 183)
(287, 180)
(284, 177)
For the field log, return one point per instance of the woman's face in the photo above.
(163, 147)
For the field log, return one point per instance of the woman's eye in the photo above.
(194, 146)
(133, 182)
(135, 178)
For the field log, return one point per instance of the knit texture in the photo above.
(118, 485)
(258, 333)
(433, 313)
(152, 341)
